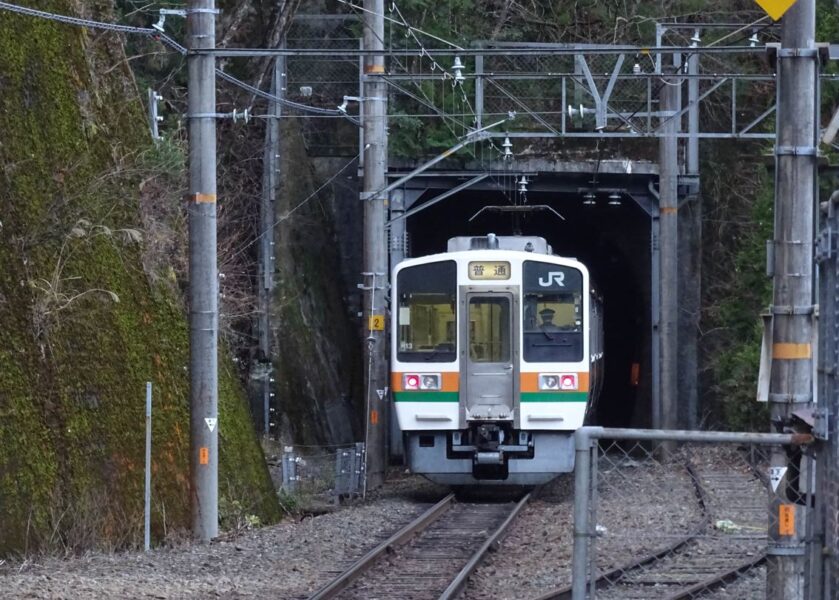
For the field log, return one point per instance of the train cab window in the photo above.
(427, 313)
(552, 313)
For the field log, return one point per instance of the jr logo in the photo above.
(557, 277)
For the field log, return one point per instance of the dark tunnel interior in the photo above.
(612, 240)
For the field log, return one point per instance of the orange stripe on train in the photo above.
(450, 383)
(530, 381)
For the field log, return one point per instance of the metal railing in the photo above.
(678, 523)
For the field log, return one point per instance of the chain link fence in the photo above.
(324, 81)
(328, 474)
(827, 423)
(705, 519)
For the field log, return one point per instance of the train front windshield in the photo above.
(427, 313)
(552, 313)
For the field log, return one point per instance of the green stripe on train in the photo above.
(554, 396)
(426, 397)
(525, 396)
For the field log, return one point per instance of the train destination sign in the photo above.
(492, 269)
(775, 8)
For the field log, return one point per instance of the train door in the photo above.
(488, 355)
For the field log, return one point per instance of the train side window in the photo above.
(427, 313)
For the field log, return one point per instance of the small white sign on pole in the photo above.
(776, 474)
(211, 423)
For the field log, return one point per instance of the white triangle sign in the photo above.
(211, 423)
(380, 394)
(775, 476)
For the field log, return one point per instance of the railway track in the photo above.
(431, 557)
(708, 557)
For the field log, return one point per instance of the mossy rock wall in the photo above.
(318, 358)
(83, 325)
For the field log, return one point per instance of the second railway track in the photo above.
(430, 558)
(700, 562)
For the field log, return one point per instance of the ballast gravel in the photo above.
(284, 561)
(294, 558)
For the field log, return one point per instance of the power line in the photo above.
(289, 213)
(166, 40)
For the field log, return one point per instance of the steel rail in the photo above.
(337, 585)
(564, 593)
(711, 582)
(459, 582)
(717, 580)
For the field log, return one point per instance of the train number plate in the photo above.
(489, 270)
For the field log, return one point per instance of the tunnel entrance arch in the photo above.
(609, 220)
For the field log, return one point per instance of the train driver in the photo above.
(547, 316)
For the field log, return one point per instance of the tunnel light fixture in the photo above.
(615, 199)
(589, 199)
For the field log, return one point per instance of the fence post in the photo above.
(147, 496)
(582, 487)
(359, 468)
(289, 469)
(342, 476)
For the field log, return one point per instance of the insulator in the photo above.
(457, 67)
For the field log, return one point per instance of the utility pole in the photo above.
(668, 166)
(690, 252)
(375, 246)
(791, 380)
(270, 187)
(203, 271)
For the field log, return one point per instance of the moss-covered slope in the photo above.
(82, 325)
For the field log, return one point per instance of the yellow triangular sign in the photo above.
(775, 8)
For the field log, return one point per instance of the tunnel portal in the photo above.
(607, 218)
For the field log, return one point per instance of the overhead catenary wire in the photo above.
(287, 215)
(173, 44)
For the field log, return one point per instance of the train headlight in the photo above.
(421, 381)
(558, 381)
(548, 382)
(430, 382)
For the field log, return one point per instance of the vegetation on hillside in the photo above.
(88, 305)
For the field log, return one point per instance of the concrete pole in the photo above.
(375, 246)
(203, 271)
(791, 382)
(668, 164)
(690, 252)
(270, 187)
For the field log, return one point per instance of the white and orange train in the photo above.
(497, 357)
